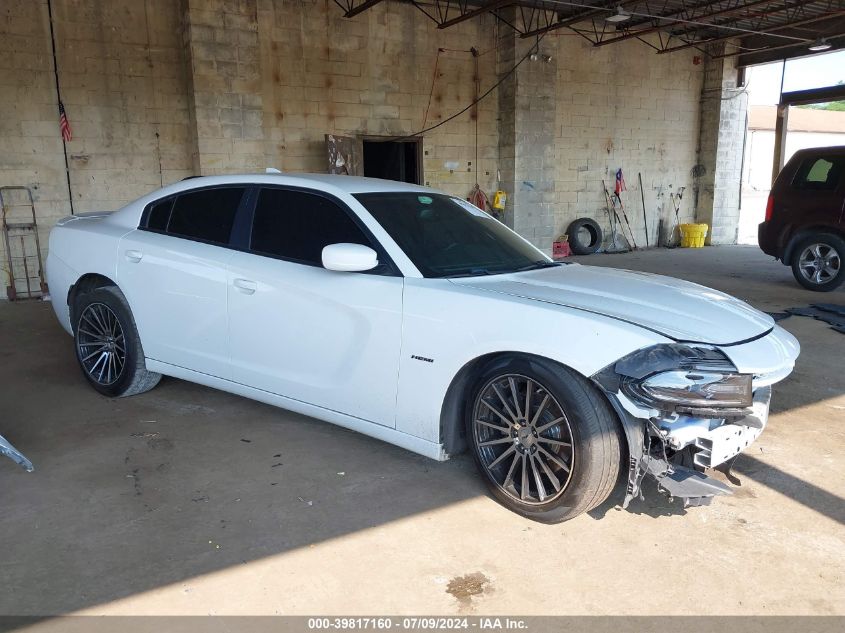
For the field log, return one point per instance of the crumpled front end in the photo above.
(689, 407)
(14, 454)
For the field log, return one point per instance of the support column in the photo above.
(718, 175)
(225, 99)
(781, 126)
(527, 139)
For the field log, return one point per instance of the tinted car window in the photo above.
(159, 215)
(206, 215)
(447, 237)
(819, 174)
(297, 225)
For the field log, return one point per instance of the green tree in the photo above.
(835, 106)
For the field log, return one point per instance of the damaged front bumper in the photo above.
(676, 450)
(714, 441)
(709, 404)
(15, 455)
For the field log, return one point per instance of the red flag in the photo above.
(64, 124)
(620, 182)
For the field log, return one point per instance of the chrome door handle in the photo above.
(245, 286)
(134, 256)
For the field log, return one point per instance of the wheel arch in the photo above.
(806, 231)
(86, 283)
(455, 402)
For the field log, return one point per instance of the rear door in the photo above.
(322, 337)
(173, 273)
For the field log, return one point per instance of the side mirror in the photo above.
(349, 257)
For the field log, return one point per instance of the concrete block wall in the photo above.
(721, 141)
(158, 89)
(374, 75)
(124, 86)
(527, 110)
(30, 145)
(224, 85)
(507, 55)
(623, 107)
(122, 78)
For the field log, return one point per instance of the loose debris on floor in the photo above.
(830, 313)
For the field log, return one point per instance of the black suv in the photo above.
(805, 217)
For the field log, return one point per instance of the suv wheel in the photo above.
(817, 262)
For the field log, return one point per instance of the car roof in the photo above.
(347, 184)
(334, 184)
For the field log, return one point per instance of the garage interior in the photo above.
(187, 500)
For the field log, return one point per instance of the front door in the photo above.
(322, 337)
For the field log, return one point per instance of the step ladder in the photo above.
(24, 268)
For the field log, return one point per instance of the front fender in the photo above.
(446, 329)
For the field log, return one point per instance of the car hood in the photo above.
(678, 309)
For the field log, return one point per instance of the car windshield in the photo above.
(448, 237)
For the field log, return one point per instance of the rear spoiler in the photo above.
(82, 216)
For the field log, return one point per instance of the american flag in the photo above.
(64, 124)
(620, 183)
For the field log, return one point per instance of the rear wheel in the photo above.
(817, 262)
(545, 442)
(107, 344)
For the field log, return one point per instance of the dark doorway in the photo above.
(393, 160)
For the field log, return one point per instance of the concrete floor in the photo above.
(190, 501)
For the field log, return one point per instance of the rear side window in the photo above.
(206, 216)
(297, 225)
(159, 215)
(819, 174)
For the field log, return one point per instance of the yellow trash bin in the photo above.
(692, 235)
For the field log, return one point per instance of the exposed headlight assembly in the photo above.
(700, 381)
(689, 389)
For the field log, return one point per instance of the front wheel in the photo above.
(817, 262)
(107, 344)
(546, 443)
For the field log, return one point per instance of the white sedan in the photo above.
(414, 317)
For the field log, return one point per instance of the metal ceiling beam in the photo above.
(751, 53)
(771, 29)
(813, 95)
(586, 15)
(785, 6)
(490, 6)
(351, 13)
(652, 29)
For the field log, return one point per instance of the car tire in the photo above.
(577, 231)
(575, 429)
(108, 348)
(817, 262)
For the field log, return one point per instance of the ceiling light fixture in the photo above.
(820, 44)
(621, 15)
